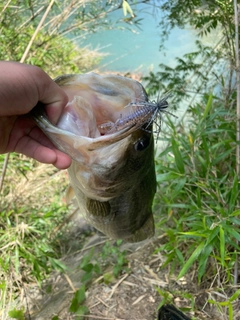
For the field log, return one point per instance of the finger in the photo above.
(31, 85)
(52, 96)
(28, 139)
(33, 149)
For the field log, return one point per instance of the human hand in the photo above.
(21, 88)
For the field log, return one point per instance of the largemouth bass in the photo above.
(112, 172)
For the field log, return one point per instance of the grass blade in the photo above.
(222, 246)
(192, 259)
(178, 156)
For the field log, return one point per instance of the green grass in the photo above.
(197, 200)
(31, 211)
(196, 205)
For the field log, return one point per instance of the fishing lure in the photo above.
(143, 113)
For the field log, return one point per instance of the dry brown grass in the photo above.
(37, 186)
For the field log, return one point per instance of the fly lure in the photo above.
(143, 113)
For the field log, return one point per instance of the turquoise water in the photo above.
(139, 52)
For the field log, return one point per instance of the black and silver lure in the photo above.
(144, 113)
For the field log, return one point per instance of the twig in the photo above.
(117, 284)
(70, 282)
(36, 31)
(21, 61)
(238, 114)
(139, 299)
(6, 5)
(92, 246)
(103, 302)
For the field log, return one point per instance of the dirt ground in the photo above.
(142, 285)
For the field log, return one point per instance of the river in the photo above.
(138, 51)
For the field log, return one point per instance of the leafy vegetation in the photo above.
(211, 65)
(118, 257)
(32, 213)
(92, 265)
(197, 203)
(200, 190)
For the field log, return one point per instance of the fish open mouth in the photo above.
(97, 105)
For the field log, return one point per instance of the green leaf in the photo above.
(78, 298)
(81, 294)
(108, 278)
(221, 157)
(179, 205)
(206, 149)
(88, 267)
(212, 234)
(208, 107)
(235, 213)
(222, 246)
(74, 305)
(179, 186)
(16, 258)
(234, 194)
(96, 269)
(178, 156)
(191, 260)
(16, 314)
(82, 310)
(167, 176)
(194, 234)
(234, 296)
(179, 255)
(86, 259)
(233, 233)
(87, 277)
(203, 260)
(57, 264)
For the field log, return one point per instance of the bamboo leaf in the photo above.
(222, 246)
(178, 156)
(82, 310)
(78, 298)
(221, 157)
(235, 213)
(208, 107)
(233, 233)
(203, 261)
(17, 314)
(124, 6)
(235, 296)
(167, 176)
(127, 8)
(17, 258)
(234, 194)
(212, 235)
(191, 260)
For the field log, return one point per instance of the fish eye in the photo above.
(142, 144)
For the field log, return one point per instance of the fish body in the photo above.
(112, 173)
